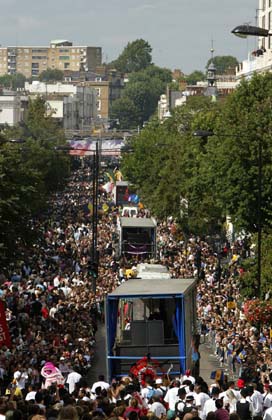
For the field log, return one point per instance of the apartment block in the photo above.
(61, 55)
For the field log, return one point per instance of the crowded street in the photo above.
(54, 317)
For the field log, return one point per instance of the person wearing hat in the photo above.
(188, 377)
(160, 388)
(190, 406)
(180, 404)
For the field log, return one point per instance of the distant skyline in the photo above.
(179, 31)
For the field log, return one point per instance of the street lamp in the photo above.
(206, 134)
(243, 31)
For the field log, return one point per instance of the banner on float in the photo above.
(4, 331)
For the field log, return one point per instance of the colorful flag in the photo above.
(108, 187)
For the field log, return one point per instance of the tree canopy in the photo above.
(140, 96)
(136, 56)
(194, 77)
(51, 75)
(223, 63)
(12, 81)
(29, 171)
(200, 181)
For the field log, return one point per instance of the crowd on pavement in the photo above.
(53, 315)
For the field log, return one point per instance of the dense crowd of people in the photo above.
(53, 314)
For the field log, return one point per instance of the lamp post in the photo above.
(206, 134)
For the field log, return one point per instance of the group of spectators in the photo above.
(53, 313)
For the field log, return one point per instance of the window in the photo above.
(263, 22)
(98, 91)
(38, 50)
(98, 105)
(39, 57)
(264, 4)
(35, 65)
(66, 65)
(61, 50)
(64, 57)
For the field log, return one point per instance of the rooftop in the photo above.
(142, 222)
(153, 287)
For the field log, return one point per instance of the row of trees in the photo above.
(201, 180)
(30, 169)
(146, 82)
(17, 80)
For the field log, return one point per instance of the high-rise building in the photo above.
(61, 54)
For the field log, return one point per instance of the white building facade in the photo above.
(74, 106)
(12, 108)
(260, 60)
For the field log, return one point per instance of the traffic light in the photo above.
(93, 269)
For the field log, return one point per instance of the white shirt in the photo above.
(208, 406)
(171, 397)
(257, 401)
(102, 384)
(30, 395)
(268, 400)
(21, 378)
(158, 409)
(268, 414)
(146, 391)
(200, 400)
(72, 379)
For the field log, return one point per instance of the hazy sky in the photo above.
(179, 31)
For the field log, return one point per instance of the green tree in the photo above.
(194, 77)
(166, 168)
(136, 56)
(51, 75)
(126, 112)
(143, 90)
(29, 172)
(223, 63)
(12, 81)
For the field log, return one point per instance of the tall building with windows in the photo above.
(260, 59)
(61, 55)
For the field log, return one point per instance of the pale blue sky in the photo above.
(179, 31)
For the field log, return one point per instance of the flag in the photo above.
(105, 207)
(4, 331)
(126, 195)
(133, 198)
(108, 187)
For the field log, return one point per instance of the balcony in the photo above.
(253, 64)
